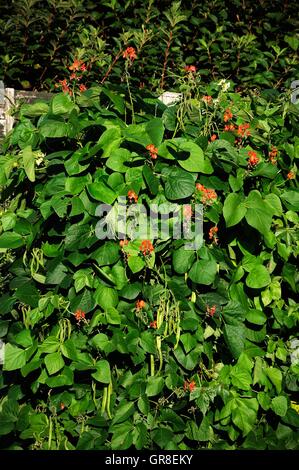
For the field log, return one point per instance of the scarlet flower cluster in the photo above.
(212, 233)
(79, 315)
(130, 53)
(187, 211)
(253, 159)
(190, 68)
(189, 385)
(153, 151)
(227, 115)
(211, 310)
(229, 127)
(132, 196)
(146, 247)
(140, 304)
(153, 324)
(207, 99)
(123, 243)
(208, 195)
(291, 175)
(78, 65)
(64, 86)
(273, 155)
(213, 137)
(243, 130)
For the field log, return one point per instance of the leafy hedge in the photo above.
(119, 344)
(254, 43)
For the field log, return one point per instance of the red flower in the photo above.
(212, 232)
(82, 88)
(227, 115)
(253, 158)
(152, 150)
(187, 211)
(211, 310)
(190, 68)
(208, 195)
(62, 406)
(79, 315)
(132, 196)
(122, 243)
(273, 155)
(213, 137)
(291, 175)
(130, 53)
(229, 127)
(153, 324)
(243, 130)
(146, 247)
(73, 76)
(140, 304)
(83, 68)
(76, 65)
(64, 86)
(207, 99)
(189, 385)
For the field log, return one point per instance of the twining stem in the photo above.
(166, 54)
(130, 94)
(110, 68)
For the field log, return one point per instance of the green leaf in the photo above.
(107, 254)
(234, 209)
(259, 212)
(123, 412)
(150, 179)
(112, 316)
(235, 338)
(241, 378)
(136, 263)
(54, 362)
(53, 129)
(117, 160)
(203, 272)
(110, 140)
(154, 386)
(179, 184)
(106, 297)
(279, 405)
(275, 376)
(62, 104)
(257, 317)
(155, 131)
(244, 418)
(103, 373)
(162, 437)
(182, 260)
(259, 277)
(11, 240)
(196, 161)
(14, 358)
(101, 192)
(29, 162)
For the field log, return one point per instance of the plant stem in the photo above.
(165, 60)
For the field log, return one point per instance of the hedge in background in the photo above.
(255, 43)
